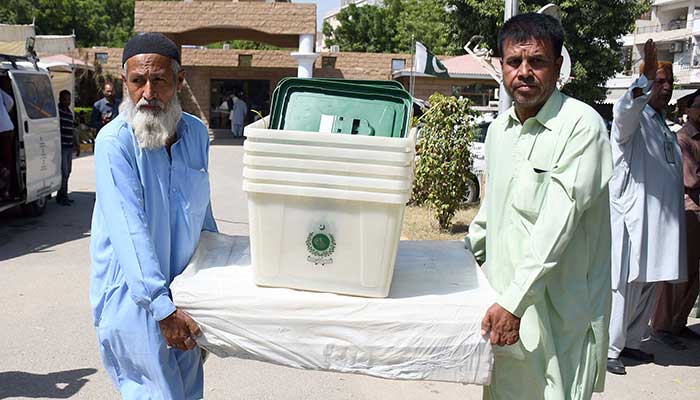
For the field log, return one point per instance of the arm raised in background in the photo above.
(627, 112)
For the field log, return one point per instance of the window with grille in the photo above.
(328, 62)
(245, 60)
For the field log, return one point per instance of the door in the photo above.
(39, 131)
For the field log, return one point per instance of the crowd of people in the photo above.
(575, 223)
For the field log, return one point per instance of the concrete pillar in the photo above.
(305, 56)
(691, 14)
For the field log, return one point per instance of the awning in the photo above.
(613, 95)
(61, 59)
(54, 44)
(681, 93)
(13, 39)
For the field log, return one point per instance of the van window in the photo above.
(37, 95)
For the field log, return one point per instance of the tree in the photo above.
(16, 12)
(429, 22)
(365, 29)
(392, 27)
(443, 167)
(95, 22)
(593, 31)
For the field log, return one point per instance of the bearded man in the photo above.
(152, 202)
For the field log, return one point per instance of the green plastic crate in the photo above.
(371, 108)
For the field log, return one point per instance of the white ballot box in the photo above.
(428, 328)
(326, 210)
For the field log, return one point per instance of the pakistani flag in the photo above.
(427, 63)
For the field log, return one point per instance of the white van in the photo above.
(35, 162)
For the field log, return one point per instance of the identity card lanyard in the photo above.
(668, 143)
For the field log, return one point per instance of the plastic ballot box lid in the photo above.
(389, 84)
(427, 329)
(341, 107)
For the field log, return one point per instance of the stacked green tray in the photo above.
(371, 108)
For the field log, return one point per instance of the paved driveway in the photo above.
(48, 346)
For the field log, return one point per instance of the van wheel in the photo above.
(35, 208)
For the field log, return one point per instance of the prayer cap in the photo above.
(150, 43)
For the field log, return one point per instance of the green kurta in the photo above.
(544, 234)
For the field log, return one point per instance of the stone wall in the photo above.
(199, 79)
(203, 65)
(180, 16)
(426, 86)
(359, 65)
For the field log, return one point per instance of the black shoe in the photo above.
(669, 340)
(689, 334)
(615, 366)
(636, 354)
(62, 201)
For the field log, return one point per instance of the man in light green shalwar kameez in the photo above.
(543, 231)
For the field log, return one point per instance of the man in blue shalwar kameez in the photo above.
(152, 202)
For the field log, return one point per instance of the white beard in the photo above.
(151, 128)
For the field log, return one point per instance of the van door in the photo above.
(39, 132)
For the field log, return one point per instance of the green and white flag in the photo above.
(427, 63)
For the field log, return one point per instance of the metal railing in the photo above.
(673, 25)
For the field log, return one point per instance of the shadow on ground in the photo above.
(227, 141)
(666, 356)
(20, 235)
(54, 385)
(459, 228)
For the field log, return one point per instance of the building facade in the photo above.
(213, 74)
(675, 27)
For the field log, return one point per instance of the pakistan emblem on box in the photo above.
(320, 245)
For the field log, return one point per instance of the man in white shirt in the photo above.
(239, 110)
(646, 208)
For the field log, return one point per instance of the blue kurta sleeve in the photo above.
(120, 199)
(209, 222)
(577, 180)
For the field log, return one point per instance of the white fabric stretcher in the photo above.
(427, 329)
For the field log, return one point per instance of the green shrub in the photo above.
(442, 168)
(87, 111)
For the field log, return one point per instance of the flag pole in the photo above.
(412, 78)
(504, 100)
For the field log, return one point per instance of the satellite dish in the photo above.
(554, 11)
(565, 72)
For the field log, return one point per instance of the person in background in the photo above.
(68, 145)
(542, 232)
(646, 208)
(83, 132)
(152, 201)
(104, 109)
(239, 109)
(675, 301)
(6, 141)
